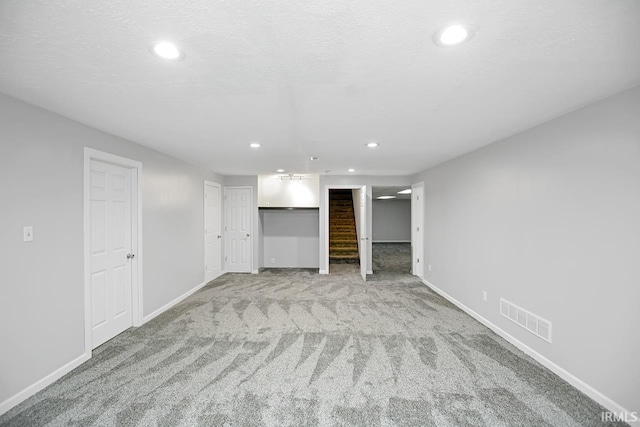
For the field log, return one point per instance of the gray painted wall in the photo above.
(550, 220)
(369, 181)
(290, 238)
(41, 184)
(391, 220)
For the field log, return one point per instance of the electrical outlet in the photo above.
(484, 295)
(273, 260)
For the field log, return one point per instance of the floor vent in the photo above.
(534, 324)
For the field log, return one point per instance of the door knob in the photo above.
(248, 235)
(219, 236)
(130, 256)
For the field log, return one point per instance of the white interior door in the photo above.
(362, 226)
(238, 238)
(111, 257)
(417, 232)
(212, 230)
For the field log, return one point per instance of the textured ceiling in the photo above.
(316, 78)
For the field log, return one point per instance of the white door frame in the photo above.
(136, 236)
(417, 230)
(224, 222)
(204, 195)
(328, 187)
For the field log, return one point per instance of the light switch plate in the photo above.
(28, 234)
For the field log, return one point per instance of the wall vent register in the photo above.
(529, 321)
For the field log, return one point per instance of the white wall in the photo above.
(272, 192)
(550, 220)
(369, 181)
(290, 238)
(41, 184)
(391, 220)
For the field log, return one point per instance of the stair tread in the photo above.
(343, 241)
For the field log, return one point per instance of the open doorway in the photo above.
(343, 234)
(346, 241)
(391, 216)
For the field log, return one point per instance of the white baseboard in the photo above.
(170, 304)
(220, 273)
(369, 271)
(323, 271)
(42, 383)
(58, 373)
(561, 372)
(391, 241)
(255, 271)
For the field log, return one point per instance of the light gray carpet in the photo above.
(391, 257)
(294, 348)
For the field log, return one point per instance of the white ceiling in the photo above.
(316, 78)
(390, 191)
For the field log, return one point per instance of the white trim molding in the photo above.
(220, 229)
(417, 230)
(252, 226)
(54, 376)
(391, 241)
(576, 382)
(171, 304)
(324, 256)
(136, 236)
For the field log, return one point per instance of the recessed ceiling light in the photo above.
(407, 191)
(254, 145)
(385, 197)
(315, 158)
(167, 50)
(352, 170)
(372, 144)
(453, 35)
(280, 170)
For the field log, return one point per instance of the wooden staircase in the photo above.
(343, 239)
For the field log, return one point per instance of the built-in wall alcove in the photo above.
(290, 237)
(289, 221)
